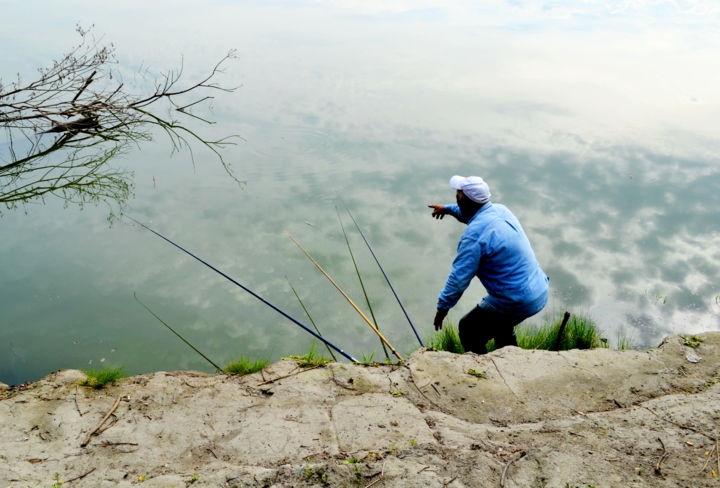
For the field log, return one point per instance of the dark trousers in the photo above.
(480, 325)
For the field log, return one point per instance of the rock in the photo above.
(692, 357)
(572, 418)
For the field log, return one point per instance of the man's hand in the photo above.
(438, 211)
(439, 317)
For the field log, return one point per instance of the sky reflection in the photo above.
(596, 125)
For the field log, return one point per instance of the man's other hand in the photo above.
(438, 211)
(439, 317)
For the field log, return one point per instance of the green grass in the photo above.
(311, 359)
(100, 378)
(446, 339)
(623, 342)
(245, 366)
(580, 333)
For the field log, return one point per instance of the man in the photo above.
(494, 248)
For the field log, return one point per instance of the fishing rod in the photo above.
(362, 284)
(307, 312)
(337, 287)
(218, 368)
(386, 277)
(278, 310)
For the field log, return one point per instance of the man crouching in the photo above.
(494, 248)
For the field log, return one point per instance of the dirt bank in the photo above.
(595, 418)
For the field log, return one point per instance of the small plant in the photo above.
(397, 393)
(477, 374)
(245, 366)
(311, 359)
(447, 339)
(368, 360)
(351, 461)
(412, 442)
(100, 378)
(692, 341)
(57, 483)
(623, 342)
(195, 477)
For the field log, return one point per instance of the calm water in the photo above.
(597, 126)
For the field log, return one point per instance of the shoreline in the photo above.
(572, 418)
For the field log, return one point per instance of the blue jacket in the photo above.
(494, 248)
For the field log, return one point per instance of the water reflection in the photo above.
(581, 124)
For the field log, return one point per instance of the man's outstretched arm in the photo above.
(440, 211)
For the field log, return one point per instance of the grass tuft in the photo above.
(580, 333)
(446, 339)
(100, 378)
(623, 342)
(311, 359)
(245, 366)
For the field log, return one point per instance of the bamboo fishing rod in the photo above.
(277, 309)
(317, 265)
(386, 278)
(362, 284)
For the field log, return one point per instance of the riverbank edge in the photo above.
(510, 418)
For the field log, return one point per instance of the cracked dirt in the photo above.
(569, 419)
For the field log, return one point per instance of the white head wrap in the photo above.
(473, 187)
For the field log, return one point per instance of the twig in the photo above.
(507, 466)
(686, 427)
(288, 375)
(79, 477)
(110, 444)
(707, 461)
(107, 425)
(381, 478)
(448, 482)
(412, 380)
(77, 407)
(658, 466)
(107, 416)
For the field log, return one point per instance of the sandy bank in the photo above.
(548, 419)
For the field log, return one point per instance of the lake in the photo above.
(596, 125)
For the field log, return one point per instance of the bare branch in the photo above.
(64, 126)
